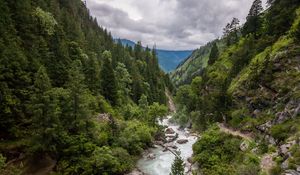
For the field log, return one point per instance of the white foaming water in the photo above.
(161, 165)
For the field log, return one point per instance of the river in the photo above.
(161, 164)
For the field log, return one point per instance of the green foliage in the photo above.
(254, 21)
(59, 70)
(108, 80)
(278, 19)
(47, 20)
(135, 137)
(237, 117)
(219, 153)
(2, 162)
(156, 111)
(102, 160)
(250, 169)
(124, 81)
(143, 102)
(177, 166)
(182, 116)
(282, 131)
(214, 54)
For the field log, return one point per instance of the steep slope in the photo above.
(252, 87)
(71, 100)
(194, 64)
(168, 59)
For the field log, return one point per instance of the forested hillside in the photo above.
(71, 100)
(194, 64)
(251, 84)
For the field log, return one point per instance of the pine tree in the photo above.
(214, 54)
(226, 30)
(177, 166)
(143, 102)
(42, 81)
(234, 27)
(45, 114)
(254, 22)
(81, 100)
(108, 80)
(138, 48)
(230, 32)
(124, 80)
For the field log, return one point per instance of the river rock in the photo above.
(291, 172)
(190, 160)
(170, 145)
(161, 143)
(182, 141)
(170, 131)
(171, 139)
(136, 172)
(171, 135)
(151, 156)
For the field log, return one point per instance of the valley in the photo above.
(167, 59)
(74, 100)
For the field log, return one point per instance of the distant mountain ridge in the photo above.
(168, 59)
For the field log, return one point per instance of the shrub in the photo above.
(217, 152)
(251, 169)
(2, 162)
(135, 137)
(280, 132)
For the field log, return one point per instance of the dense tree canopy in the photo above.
(64, 87)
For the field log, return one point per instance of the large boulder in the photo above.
(170, 145)
(169, 131)
(171, 139)
(182, 141)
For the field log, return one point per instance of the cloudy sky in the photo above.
(170, 24)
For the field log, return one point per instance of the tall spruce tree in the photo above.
(254, 21)
(214, 54)
(230, 31)
(45, 114)
(80, 101)
(108, 80)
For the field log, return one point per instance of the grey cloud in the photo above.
(171, 24)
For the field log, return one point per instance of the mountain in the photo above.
(243, 93)
(126, 42)
(168, 59)
(194, 64)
